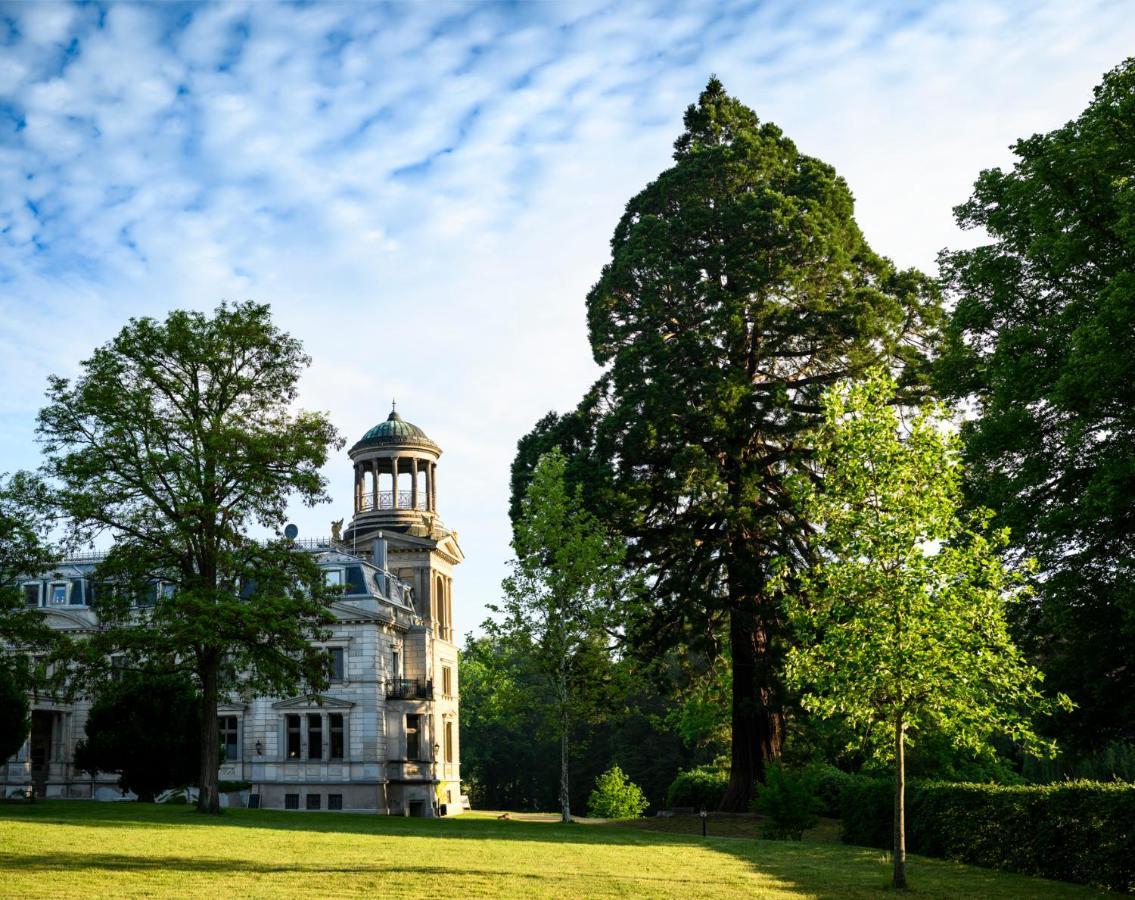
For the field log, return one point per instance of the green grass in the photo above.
(70, 849)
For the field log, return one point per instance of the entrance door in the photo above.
(43, 727)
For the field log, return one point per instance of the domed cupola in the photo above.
(395, 475)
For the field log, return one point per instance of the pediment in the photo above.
(313, 701)
(448, 546)
(231, 707)
(60, 619)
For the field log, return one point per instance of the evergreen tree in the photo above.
(739, 286)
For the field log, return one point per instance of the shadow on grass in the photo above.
(819, 870)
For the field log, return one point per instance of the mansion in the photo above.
(384, 736)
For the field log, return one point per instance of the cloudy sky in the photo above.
(425, 192)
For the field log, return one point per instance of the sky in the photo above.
(424, 193)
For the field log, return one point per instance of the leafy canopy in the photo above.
(902, 619)
(176, 439)
(1040, 342)
(616, 797)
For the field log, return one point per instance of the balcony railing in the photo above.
(385, 500)
(409, 689)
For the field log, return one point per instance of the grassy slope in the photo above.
(60, 848)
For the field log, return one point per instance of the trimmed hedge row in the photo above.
(1081, 831)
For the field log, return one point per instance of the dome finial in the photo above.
(393, 417)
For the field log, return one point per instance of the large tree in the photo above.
(738, 287)
(1041, 344)
(176, 438)
(558, 601)
(902, 618)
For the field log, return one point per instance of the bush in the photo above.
(826, 783)
(616, 797)
(1076, 831)
(701, 788)
(789, 807)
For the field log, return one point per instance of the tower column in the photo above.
(414, 483)
(394, 471)
(374, 474)
(433, 486)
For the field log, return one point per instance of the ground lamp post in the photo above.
(704, 815)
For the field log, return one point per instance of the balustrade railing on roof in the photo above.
(385, 500)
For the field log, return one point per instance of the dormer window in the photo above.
(57, 593)
(333, 577)
(31, 593)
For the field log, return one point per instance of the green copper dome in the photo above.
(395, 432)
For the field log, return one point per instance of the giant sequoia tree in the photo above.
(176, 438)
(1041, 338)
(739, 286)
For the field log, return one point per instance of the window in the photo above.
(333, 577)
(293, 725)
(31, 593)
(57, 594)
(78, 592)
(338, 663)
(335, 728)
(291, 801)
(314, 736)
(314, 801)
(334, 801)
(230, 745)
(412, 746)
(396, 664)
(449, 742)
(447, 681)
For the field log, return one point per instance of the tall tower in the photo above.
(395, 466)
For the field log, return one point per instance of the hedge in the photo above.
(701, 788)
(1079, 831)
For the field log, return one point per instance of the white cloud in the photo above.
(425, 192)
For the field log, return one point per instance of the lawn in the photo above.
(72, 848)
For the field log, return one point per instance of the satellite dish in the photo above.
(291, 532)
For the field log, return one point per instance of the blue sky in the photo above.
(425, 192)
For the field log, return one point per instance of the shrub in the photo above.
(616, 797)
(701, 788)
(826, 783)
(788, 805)
(1076, 831)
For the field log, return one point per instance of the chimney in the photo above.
(378, 552)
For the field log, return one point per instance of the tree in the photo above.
(23, 552)
(738, 287)
(177, 438)
(902, 619)
(144, 726)
(1040, 343)
(616, 797)
(559, 597)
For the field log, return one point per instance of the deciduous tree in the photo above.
(1040, 342)
(902, 619)
(559, 599)
(176, 438)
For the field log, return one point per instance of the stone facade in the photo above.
(384, 737)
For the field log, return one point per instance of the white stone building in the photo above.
(384, 737)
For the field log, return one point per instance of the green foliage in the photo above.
(144, 726)
(15, 711)
(701, 787)
(787, 803)
(560, 597)
(826, 784)
(176, 438)
(738, 286)
(1114, 761)
(902, 623)
(1040, 344)
(1075, 831)
(616, 797)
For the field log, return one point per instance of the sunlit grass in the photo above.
(70, 849)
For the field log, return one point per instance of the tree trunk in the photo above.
(757, 718)
(209, 796)
(899, 879)
(565, 796)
